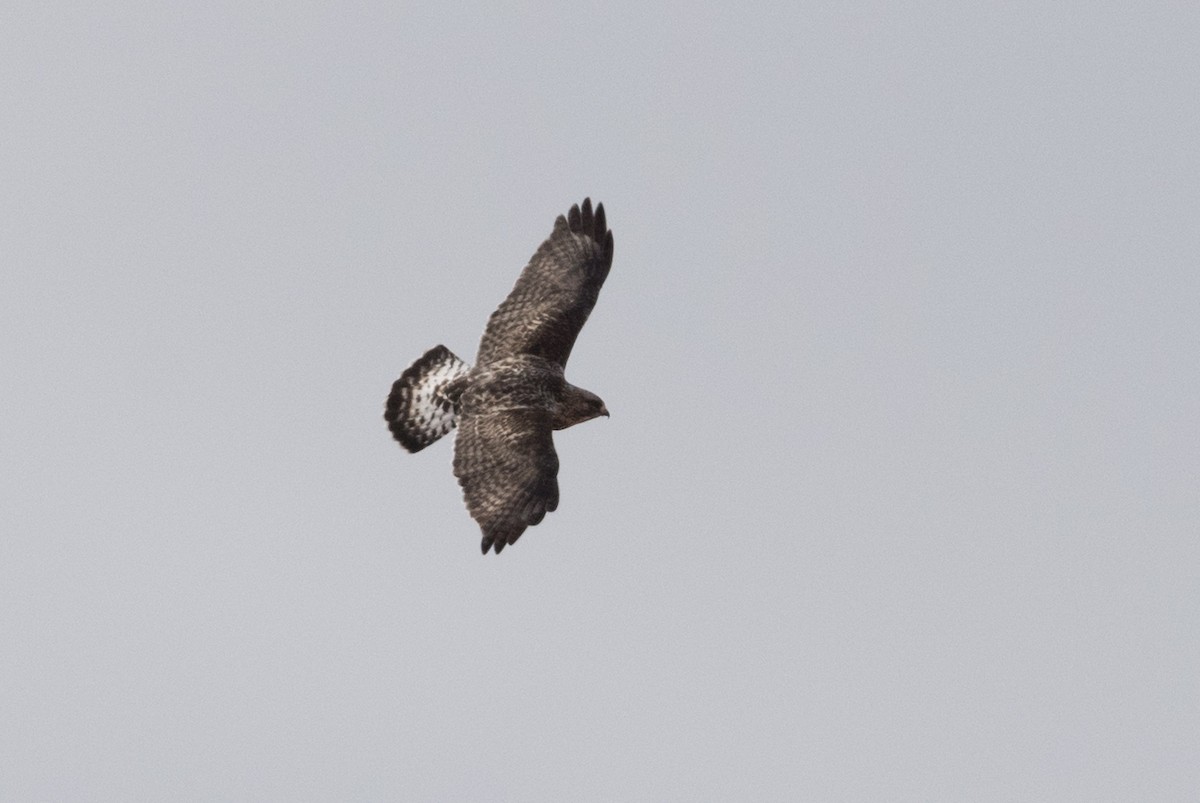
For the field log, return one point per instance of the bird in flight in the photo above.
(508, 404)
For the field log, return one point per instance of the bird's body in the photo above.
(507, 406)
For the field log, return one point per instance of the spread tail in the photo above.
(421, 407)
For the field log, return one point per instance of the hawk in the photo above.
(508, 404)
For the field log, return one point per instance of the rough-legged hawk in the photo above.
(507, 406)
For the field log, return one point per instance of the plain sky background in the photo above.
(899, 496)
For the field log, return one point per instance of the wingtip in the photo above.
(591, 222)
(494, 543)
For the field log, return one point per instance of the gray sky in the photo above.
(898, 500)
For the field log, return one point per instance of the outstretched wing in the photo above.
(505, 462)
(555, 293)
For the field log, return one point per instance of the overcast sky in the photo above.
(899, 495)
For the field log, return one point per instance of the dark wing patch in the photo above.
(507, 467)
(555, 293)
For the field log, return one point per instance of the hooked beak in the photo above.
(604, 411)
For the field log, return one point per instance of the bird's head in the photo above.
(580, 405)
(594, 406)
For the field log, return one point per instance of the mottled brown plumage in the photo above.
(507, 406)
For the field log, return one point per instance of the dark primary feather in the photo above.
(555, 293)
